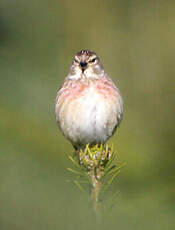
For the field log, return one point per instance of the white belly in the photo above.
(90, 118)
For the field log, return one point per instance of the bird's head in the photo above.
(86, 64)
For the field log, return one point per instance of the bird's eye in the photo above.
(76, 60)
(93, 60)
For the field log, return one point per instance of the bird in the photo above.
(88, 106)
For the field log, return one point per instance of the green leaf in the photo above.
(106, 151)
(109, 182)
(75, 163)
(76, 172)
(114, 169)
(79, 186)
(107, 166)
(89, 153)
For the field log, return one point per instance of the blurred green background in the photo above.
(136, 43)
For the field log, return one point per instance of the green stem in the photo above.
(96, 180)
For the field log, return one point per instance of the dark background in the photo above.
(136, 43)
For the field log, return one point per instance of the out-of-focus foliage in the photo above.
(136, 42)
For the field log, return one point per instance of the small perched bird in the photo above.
(89, 106)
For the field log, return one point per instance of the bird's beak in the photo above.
(83, 65)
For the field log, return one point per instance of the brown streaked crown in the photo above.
(86, 53)
(85, 56)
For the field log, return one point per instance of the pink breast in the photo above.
(106, 87)
(75, 89)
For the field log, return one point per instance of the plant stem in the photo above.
(96, 180)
